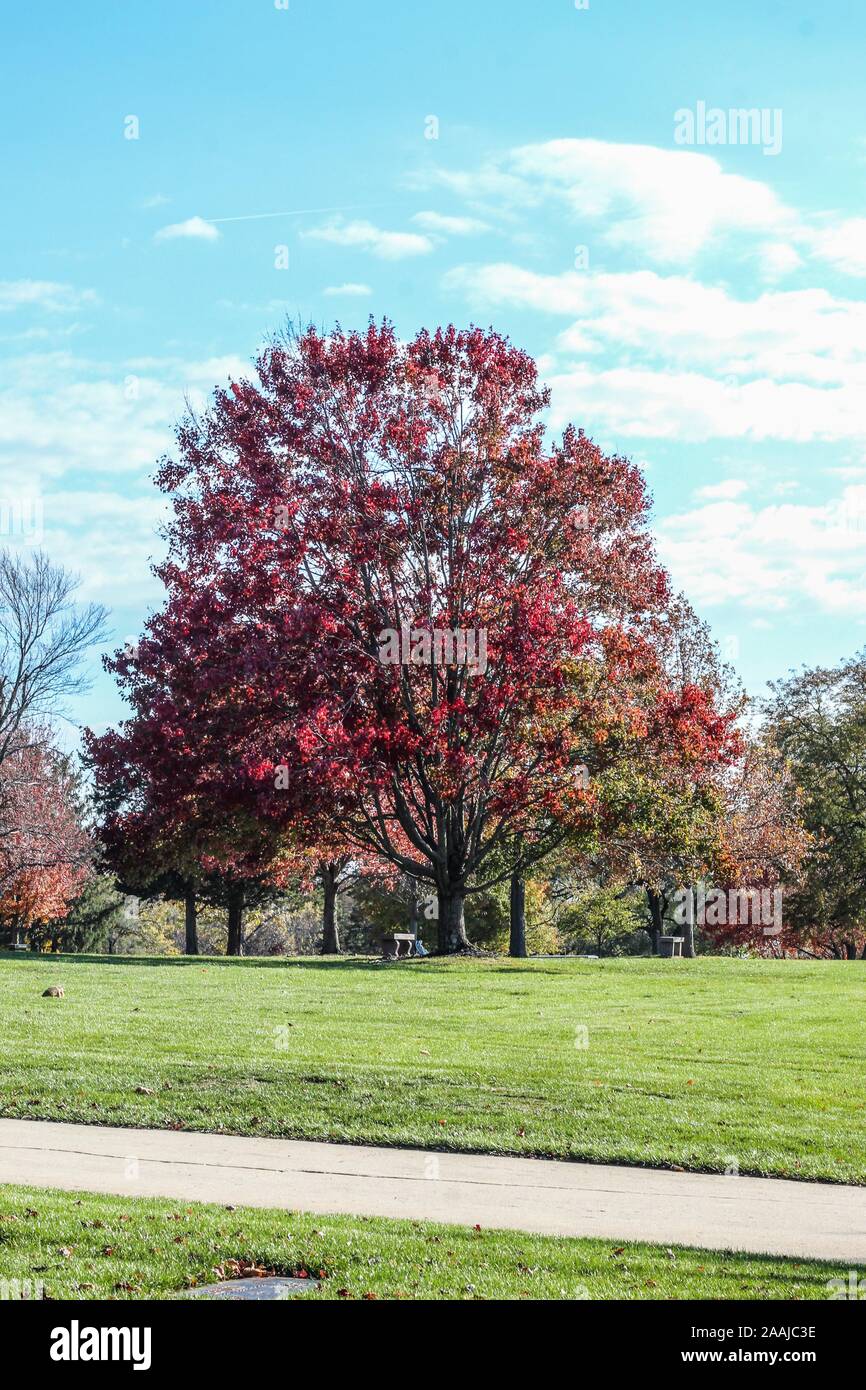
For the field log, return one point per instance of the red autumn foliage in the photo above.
(364, 492)
(44, 849)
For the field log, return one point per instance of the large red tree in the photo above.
(441, 624)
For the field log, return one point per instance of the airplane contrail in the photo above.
(295, 212)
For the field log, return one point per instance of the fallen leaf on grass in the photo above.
(245, 1269)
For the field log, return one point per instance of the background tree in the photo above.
(818, 720)
(603, 921)
(338, 872)
(45, 850)
(490, 917)
(44, 636)
(384, 903)
(763, 847)
(97, 915)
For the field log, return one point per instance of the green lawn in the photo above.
(702, 1064)
(83, 1246)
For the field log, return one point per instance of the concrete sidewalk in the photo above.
(762, 1215)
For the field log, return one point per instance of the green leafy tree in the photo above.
(98, 915)
(604, 922)
(488, 919)
(818, 719)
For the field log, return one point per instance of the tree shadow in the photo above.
(202, 962)
(329, 963)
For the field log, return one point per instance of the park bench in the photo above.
(670, 945)
(402, 943)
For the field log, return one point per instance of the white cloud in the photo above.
(781, 333)
(43, 294)
(686, 406)
(60, 414)
(692, 360)
(772, 557)
(844, 245)
(71, 429)
(665, 204)
(779, 258)
(122, 539)
(268, 307)
(388, 246)
(194, 227)
(450, 226)
(725, 491)
(351, 290)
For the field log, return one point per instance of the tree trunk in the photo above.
(413, 915)
(657, 926)
(517, 942)
(330, 930)
(190, 925)
(235, 945)
(689, 940)
(452, 931)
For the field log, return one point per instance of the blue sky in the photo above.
(701, 307)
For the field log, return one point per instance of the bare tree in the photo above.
(44, 635)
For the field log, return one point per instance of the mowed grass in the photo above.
(78, 1245)
(711, 1064)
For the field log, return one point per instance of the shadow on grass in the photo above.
(495, 965)
(202, 962)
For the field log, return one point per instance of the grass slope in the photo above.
(701, 1064)
(84, 1246)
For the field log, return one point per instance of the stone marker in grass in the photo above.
(272, 1287)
